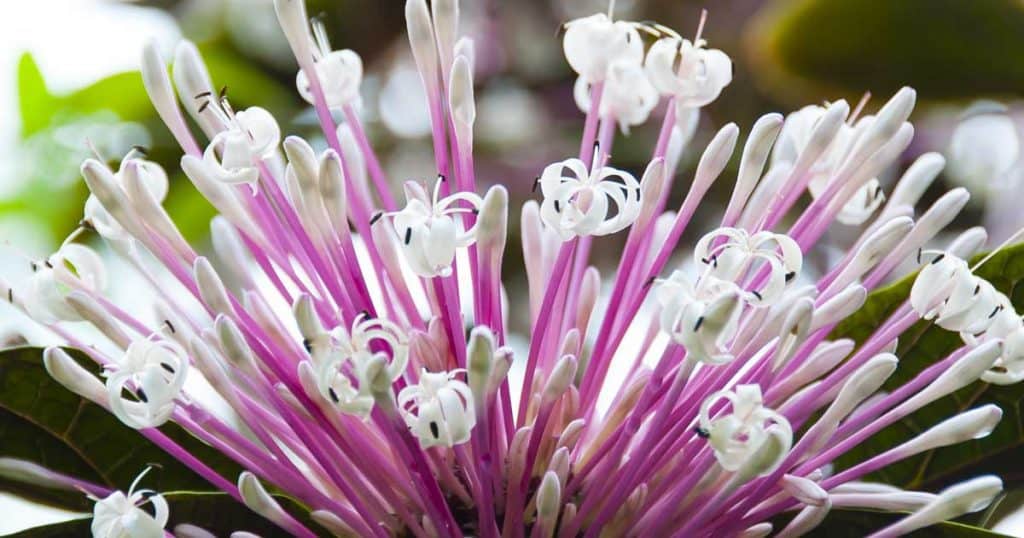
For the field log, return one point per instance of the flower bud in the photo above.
(211, 288)
(93, 312)
(804, 490)
(757, 531)
(561, 378)
(161, 94)
(460, 99)
(861, 384)
(973, 424)
(715, 157)
(806, 520)
(549, 500)
(492, 222)
(839, 307)
(258, 500)
(480, 353)
(968, 243)
(73, 377)
(421, 38)
(332, 523)
(963, 372)
(963, 498)
(755, 155)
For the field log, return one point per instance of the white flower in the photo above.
(154, 371)
(693, 75)
(346, 356)
(340, 72)
(628, 96)
(736, 436)
(797, 132)
(121, 516)
(152, 176)
(592, 43)
(703, 320)
(427, 228)
(984, 147)
(438, 410)
(72, 266)
(251, 135)
(576, 200)
(730, 253)
(945, 290)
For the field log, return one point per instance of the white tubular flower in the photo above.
(736, 436)
(152, 176)
(797, 133)
(576, 201)
(438, 410)
(592, 43)
(72, 266)
(252, 134)
(154, 371)
(702, 320)
(628, 96)
(340, 72)
(347, 357)
(693, 75)
(120, 515)
(740, 252)
(428, 230)
(945, 290)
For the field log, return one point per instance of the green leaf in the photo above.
(921, 346)
(857, 523)
(943, 48)
(215, 512)
(42, 422)
(34, 100)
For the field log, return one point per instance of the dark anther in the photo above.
(597, 147)
(223, 92)
(35, 267)
(376, 216)
(976, 289)
(535, 183)
(86, 224)
(700, 321)
(408, 235)
(366, 314)
(995, 311)
(334, 395)
(757, 294)
(141, 150)
(919, 251)
(638, 195)
(701, 432)
(307, 345)
(167, 367)
(475, 211)
(146, 494)
(650, 281)
(200, 95)
(48, 264)
(434, 430)
(10, 295)
(705, 261)
(714, 260)
(558, 208)
(170, 326)
(938, 258)
(442, 178)
(790, 275)
(142, 396)
(203, 106)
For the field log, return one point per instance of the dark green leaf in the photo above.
(921, 346)
(943, 48)
(41, 421)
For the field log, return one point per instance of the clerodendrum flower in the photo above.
(368, 403)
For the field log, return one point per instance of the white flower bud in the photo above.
(331, 522)
(968, 243)
(715, 157)
(839, 306)
(461, 101)
(549, 501)
(804, 490)
(260, 501)
(915, 181)
(446, 28)
(973, 424)
(492, 222)
(963, 498)
(561, 377)
(755, 154)
(161, 94)
(211, 288)
(92, 311)
(962, 373)
(72, 376)
(421, 38)
(757, 531)
(984, 147)
(192, 79)
(806, 520)
(861, 384)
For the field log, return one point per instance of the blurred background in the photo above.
(69, 88)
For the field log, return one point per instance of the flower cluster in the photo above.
(381, 401)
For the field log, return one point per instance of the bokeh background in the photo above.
(69, 89)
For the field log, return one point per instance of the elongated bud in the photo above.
(302, 159)
(824, 132)
(192, 79)
(332, 188)
(963, 498)
(446, 27)
(466, 48)
(804, 490)
(888, 120)
(259, 501)
(211, 288)
(100, 317)
(232, 253)
(794, 330)
(757, 531)
(824, 358)
(332, 523)
(461, 101)
(965, 371)
(561, 377)
(216, 192)
(480, 352)
(236, 349)
(73, 377)
(916, 180)
(421, 38)
(26, 472)
(875, 247)
(499, 370)
(184, 530)
(161, 94)
(715, 157)
(571, 434)
(897, 501)
(968, 243)
(973, 424)
(104, 187)
(839, 307)
(549, 500)
(145, 203)
(755, 155)
(652, 183)
(940, 214)
(861, 384)
(307, 319)
(291, 14)
(206, 360)
(492, 223)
